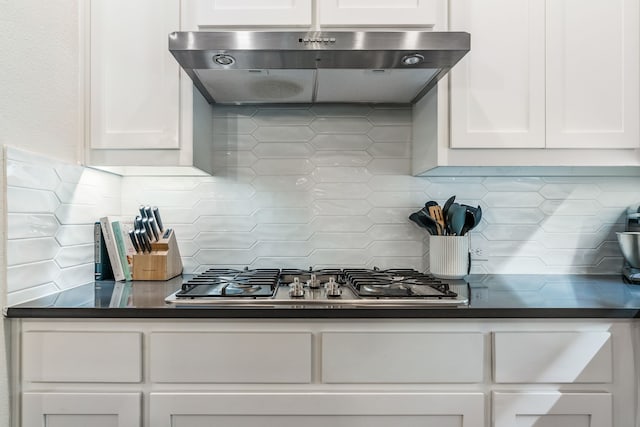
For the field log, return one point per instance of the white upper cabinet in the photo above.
(497, 90)
(378, 13)
(592, 74)
(554, 74)
(260, 13)
(307, 14)
(134, 87)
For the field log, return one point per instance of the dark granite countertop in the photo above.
(490, 296)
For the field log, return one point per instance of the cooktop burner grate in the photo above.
(394, 283)
(218, 282)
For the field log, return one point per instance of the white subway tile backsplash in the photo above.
(341, 142)
(221, 240)
(71, 256)
(282, 232)
(34, 176)
(341, 190)
(23, 276)
(25, 200)
(70, 235)
(341, 174)
(341, 223)
(25, 251)
(283, 166)
(299, 186)
(31, 225)
(265, 150)
(224, 223)
(341, 158)
(52, 209)
(283, 134)
(341, 207)
(341, 125)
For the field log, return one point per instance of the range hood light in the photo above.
(223, 59)
(412, 59)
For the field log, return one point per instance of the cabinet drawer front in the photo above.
(82, 357)
(81, 409)
(211, 357)
(553, 357)
(552, 408)
(402, 357)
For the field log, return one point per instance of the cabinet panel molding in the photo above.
(81, 409)
(82, 357)
(568, 409)
(419, 13)
(593, 52)
(262, 13)
(497, 89)
(212, 357)
(553, 357)
(350, 357)
(318, 409)
(134, 79)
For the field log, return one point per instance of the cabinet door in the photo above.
(134, 78)
(550, 409)
(317, 409)
(592, 74)
(497, 89)
(387, 13)
(81, 409)
(244, 13)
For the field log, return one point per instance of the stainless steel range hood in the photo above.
(247, 67)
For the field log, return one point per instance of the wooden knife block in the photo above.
(163, 263)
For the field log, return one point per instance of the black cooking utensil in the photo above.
(424, 221)
(447, 205)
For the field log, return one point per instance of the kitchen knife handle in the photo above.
(137, 223)
(145, 239)
(141, 243)
(156, 213)
(143, 213)
(146, 226)
(154, 229)
(132, 236)
(148, 212)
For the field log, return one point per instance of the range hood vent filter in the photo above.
(338, 67)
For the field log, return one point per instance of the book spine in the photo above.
(102, 270)
(110, 243)
(122, 249)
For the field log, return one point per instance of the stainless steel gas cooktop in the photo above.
(320, 288)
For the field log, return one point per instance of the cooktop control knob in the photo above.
(313, 283)
(296, 289)
(332, 288)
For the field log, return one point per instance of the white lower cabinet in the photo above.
(317, 409)
(313, 373)
(81, 409)
(550, 409)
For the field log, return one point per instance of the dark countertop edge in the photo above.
(306, 313)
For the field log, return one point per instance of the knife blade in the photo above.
(154, 229)
(132, 236)
(156, 214)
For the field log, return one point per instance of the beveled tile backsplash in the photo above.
(51, 208)
(300, 186)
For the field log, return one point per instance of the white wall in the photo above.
(39, 82)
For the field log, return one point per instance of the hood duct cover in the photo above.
(248, 67)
